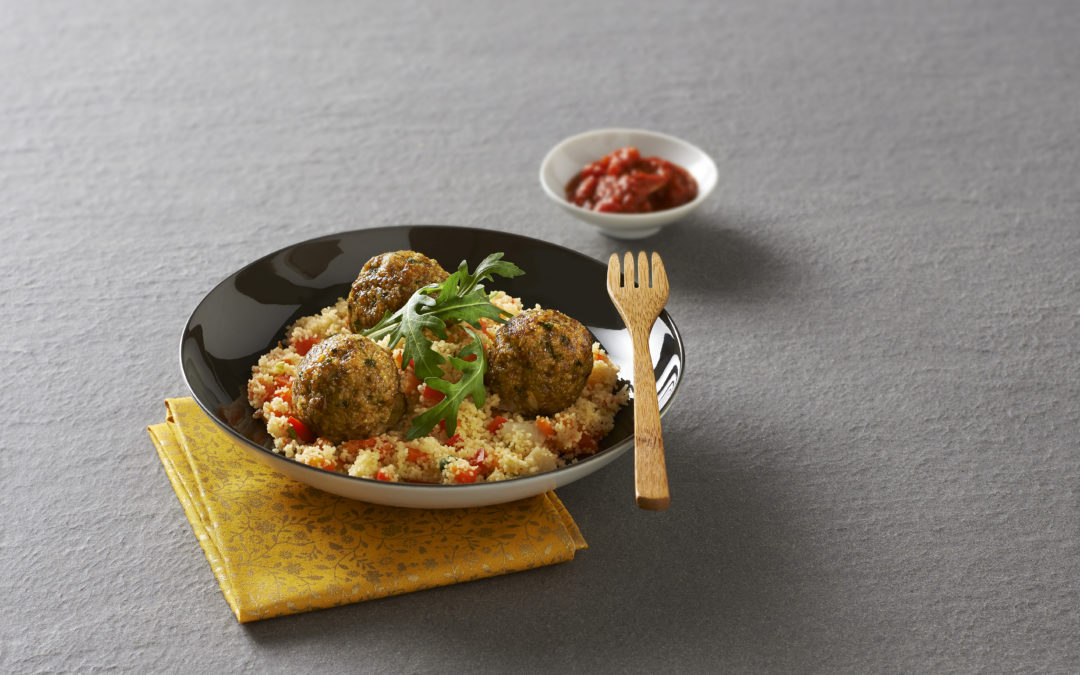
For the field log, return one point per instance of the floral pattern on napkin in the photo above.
(281, 547)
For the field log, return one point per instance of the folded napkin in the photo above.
(281, 547)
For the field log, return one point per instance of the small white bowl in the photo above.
(570, 156)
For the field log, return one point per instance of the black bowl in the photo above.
(245, 316)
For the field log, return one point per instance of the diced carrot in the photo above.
(417, 455)
(399, 356)
(355, 446)
(545, 426)
(587, 443)
(465, 475)
(283, 387)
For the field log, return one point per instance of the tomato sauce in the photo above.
(626, 182)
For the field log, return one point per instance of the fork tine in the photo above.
(636, 274)
(614, 272)
(659, 274)
(643, 279)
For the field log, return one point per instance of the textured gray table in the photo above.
(874, 459)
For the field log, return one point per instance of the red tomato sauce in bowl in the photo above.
(626, 182)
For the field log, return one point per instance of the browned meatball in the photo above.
(386, 283)
(348, 387)
(539, 362)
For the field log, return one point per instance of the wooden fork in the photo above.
(639, 303)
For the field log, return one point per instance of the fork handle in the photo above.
(650, 470)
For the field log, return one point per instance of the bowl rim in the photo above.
(644, 219)
(548, 476)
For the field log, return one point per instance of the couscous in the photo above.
(493, 441)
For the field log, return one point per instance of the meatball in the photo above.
(348, 387)
(539, 362)
(386, 283)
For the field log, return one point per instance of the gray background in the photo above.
(874, 456)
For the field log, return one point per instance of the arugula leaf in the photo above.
(417, 348)
(461, 297)
(488, 267)
(470, 384)
(461, 283)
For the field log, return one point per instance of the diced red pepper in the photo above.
(479, 459)
(299, 431)
(304, 345)
(469, 357)
(417, 456)
(456, 440)
(432, 395)
(496, 424)
(587, 443)
(383, 475)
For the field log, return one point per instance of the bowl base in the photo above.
(630, 234)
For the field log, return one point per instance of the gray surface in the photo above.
(874, 459)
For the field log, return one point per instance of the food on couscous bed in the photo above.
(539, 362)
(348, 387)
(329, 401)
(386, 282)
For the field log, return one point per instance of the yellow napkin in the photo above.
(281, 547)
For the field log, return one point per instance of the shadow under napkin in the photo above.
(280, 547)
